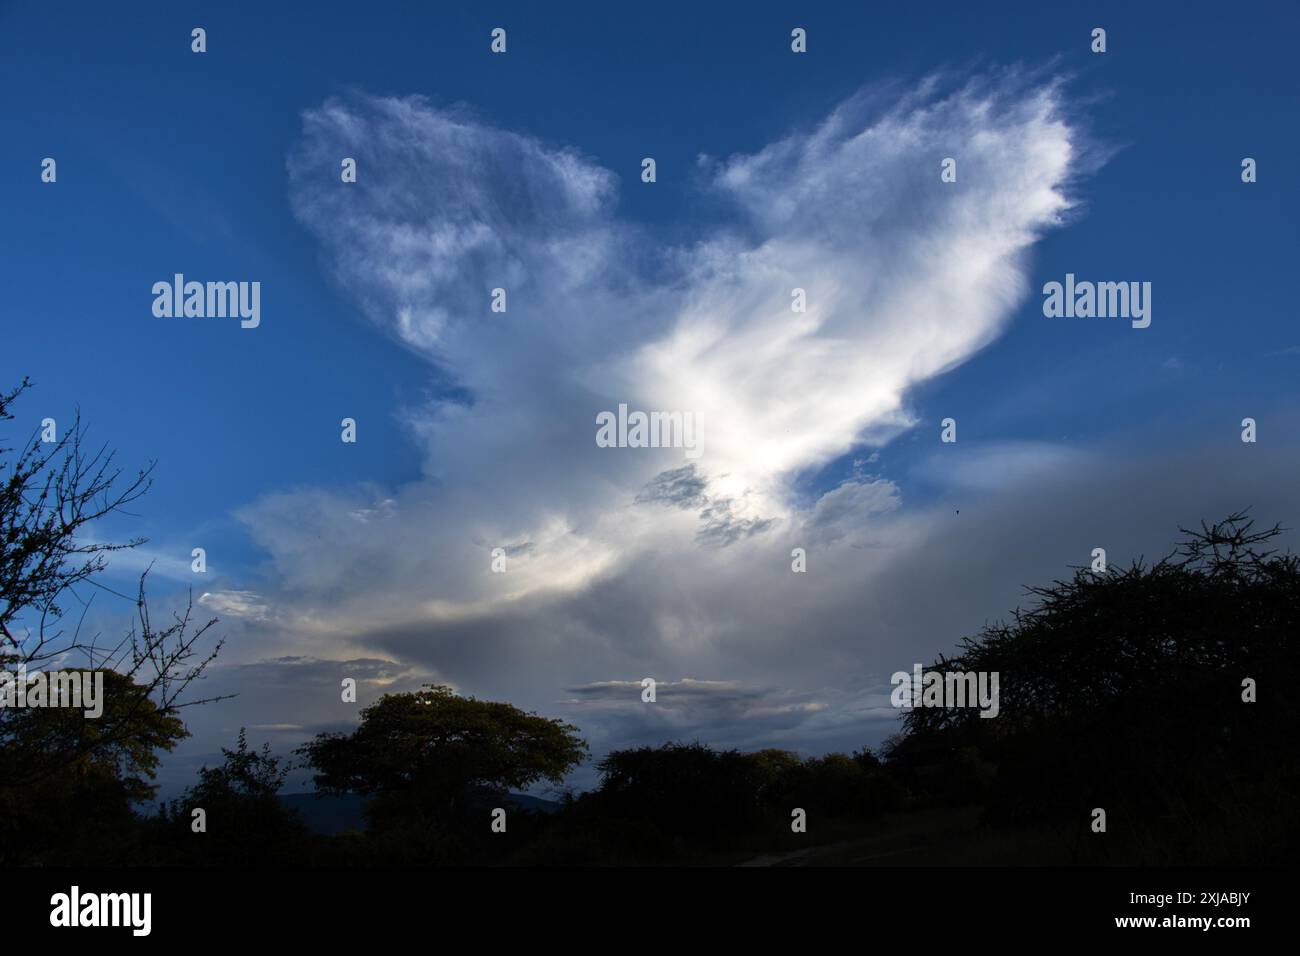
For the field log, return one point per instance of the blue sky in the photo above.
(170, 162)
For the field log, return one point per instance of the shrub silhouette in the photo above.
(1124, 690)
(686, 790)
(677, 799)
(246, 823)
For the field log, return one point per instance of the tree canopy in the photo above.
(433, 749)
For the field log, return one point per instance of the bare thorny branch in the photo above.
(51, 495)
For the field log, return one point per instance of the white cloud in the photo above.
(619, 558)
(243, 604)
(1001, 466)
(905, 276)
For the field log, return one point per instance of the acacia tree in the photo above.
(50, 494)
(424, 756)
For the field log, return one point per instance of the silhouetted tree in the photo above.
(430, 757)
(246, 822)
(705, 797)
(687, 790)
(62, 773)
(81, 775)
(1124, 690)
